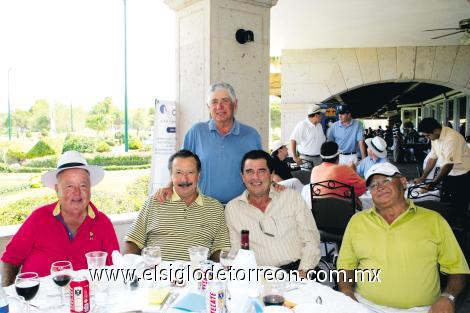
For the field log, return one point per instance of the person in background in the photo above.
(308, 136)
(282, 230)
(63, 230)
(348, 133)
(450, 148)
(406, 245)
(281, 170)
(330, 169)
(220, 144)
(188, 219)
(377, 153)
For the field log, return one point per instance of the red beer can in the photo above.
(215, 297)
(205, 266)
(79, 295)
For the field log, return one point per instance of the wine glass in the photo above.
(152, 256)
(61, 272)
(226, 258)
(27, 286)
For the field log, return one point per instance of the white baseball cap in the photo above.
(385, 169)
(378, 145)
(68, 160)
(277, 145)
(314, 108)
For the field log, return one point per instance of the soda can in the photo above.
(79, 295)
(205, 266)
(215, 297)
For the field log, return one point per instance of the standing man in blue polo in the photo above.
(220, 144)
(348, 133)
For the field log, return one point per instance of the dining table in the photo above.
(120, 297)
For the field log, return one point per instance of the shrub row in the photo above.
(108, 202)
(14, 188)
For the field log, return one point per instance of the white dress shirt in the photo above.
(308, 137)
(284, 233)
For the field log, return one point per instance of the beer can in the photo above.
(79, 295)
(215, 297)
(205, 266)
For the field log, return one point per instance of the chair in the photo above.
(302, 175)
(333, 204)
(440, 204)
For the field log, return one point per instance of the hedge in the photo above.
(98, 159)
(107, 202)
(40, 149)
(79, 143)
(10, 189)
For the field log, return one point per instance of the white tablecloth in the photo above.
(120, 299)
(367, 202)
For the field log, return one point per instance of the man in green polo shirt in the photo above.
(188, 219)
(409, 244)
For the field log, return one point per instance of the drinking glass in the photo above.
(61, 272)
(273, 293)
(27, 286)
(197, 254)
(152, 256)
(226, 258)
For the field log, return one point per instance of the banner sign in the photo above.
(164, 143)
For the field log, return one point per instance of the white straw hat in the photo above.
(68, 160)
(378, 145)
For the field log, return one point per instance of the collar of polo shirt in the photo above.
(175, 197)
(56, 211)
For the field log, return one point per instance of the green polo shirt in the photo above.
(175, 227)
(407, 252)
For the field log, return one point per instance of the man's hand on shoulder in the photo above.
(163, 194)
(443, 305)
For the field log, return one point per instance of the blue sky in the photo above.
(71, 51)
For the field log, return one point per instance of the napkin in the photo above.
(245, 259)
(158, 296)
(191, 302)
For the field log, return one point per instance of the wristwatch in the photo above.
(448, 296)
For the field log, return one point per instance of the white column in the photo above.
(456, 114)
(207, 52)
(467, 116)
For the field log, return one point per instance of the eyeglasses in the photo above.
(384, 182)
(271, 224)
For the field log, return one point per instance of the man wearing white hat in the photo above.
(407, 244)
(308, 136)
(282, 172)
(65, 229)
(377, 153)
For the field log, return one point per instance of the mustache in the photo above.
(185, 184)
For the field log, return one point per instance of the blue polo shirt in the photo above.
(367, 163)
(346, 136)
(221, 157)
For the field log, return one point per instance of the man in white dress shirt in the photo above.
(308, 136)
(282, 230)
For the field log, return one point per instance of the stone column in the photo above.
(456, 114)
(207, 52)
(467, 116)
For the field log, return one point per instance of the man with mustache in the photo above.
(187, 219)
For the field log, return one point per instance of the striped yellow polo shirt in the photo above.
(175, 227)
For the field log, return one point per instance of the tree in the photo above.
(103, 115)
(40, 115)
(21, 120)
(139, 120)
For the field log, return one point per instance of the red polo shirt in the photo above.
(43, 239)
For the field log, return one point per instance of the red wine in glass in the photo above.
(27, 289)
(273, 300)
(62, 280)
